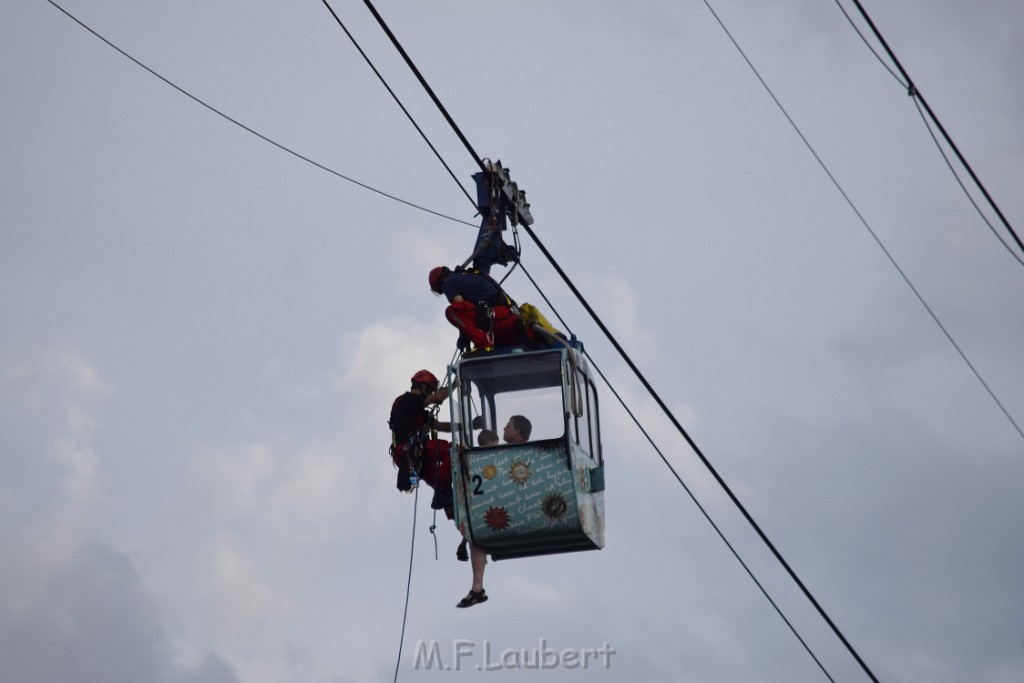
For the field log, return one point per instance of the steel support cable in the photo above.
(423, 82)
(931, 132)
(960, 182)
(870, 47)
(703, 458)
(246, 128)
(867, 226)
(329, 170)
(565, 278)
(913, 91)
(710, 521)
(689, 492)
(399, 102)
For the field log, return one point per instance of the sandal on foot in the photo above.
(461, 555)
(473, 598)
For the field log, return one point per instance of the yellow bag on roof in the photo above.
(530, 315)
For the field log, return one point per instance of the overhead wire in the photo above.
(636, 371)
(679, 479)
(878, 240)
(426, 86)
(248, 129)
(421, 208)
(960, 182)
(868, 44)
(705, 461)
(398, 101)
(550, 258)
(464, 222)
(917, 97)
(915, 92)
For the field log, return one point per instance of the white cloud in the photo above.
(93, 622)
(63, 389)
(74, 451)
(620, 300)
(532, 591)
(238, 479)
(240, 582)
(379, 360)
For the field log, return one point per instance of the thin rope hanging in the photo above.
(408, 581)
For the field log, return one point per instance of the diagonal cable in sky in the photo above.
(261, 136)
(636, 371)
(914, 92)
(867, 226)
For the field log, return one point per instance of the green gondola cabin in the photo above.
(539, 497)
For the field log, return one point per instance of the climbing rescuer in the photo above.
(415, 448)
(484, 315)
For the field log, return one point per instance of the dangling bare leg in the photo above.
(477, 558)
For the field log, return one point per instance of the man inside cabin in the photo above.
(414, 447)
(517, 430)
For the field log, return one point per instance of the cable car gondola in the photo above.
(543, 496)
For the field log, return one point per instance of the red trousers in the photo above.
(435, 465)
(504, 328)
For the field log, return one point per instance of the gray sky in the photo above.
(202, 336)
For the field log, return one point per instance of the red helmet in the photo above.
(436, 276)
(425, 377)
